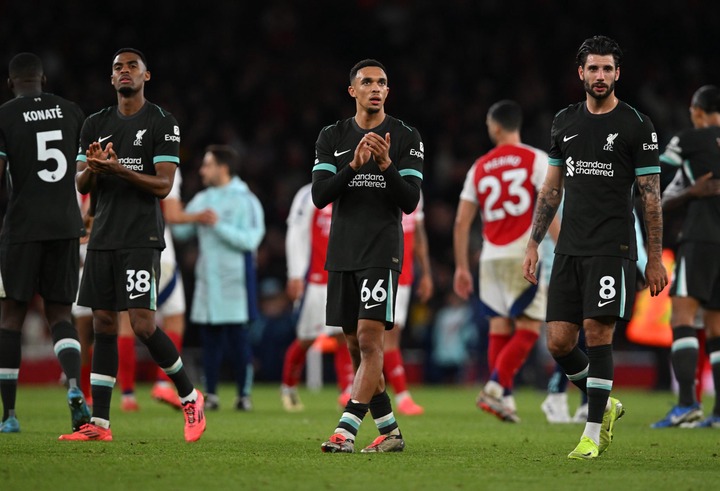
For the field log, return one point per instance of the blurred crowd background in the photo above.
(266, 76)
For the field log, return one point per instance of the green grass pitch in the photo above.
(454, 446)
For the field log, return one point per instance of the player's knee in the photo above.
(559, 347)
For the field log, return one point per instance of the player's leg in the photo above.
(238, 342)
(490, 398)
(393, 366)
(212, 355)
(171, 308)
(344, 369)
(82, 318)
(138, 266)
(513, 357)
(11, 321)
(127, 362)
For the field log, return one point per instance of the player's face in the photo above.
(599, 75)
(129, 73)
(370, 88)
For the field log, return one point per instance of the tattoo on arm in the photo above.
(548, 202)
(652, 211)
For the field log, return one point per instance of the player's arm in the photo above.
(246, 229)
(546, 207)
(655, 274)
(329, 182)
(677, 195)
(298, 243)
(462, 281)
(422, 254)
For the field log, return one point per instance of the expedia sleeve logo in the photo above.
(418, 153)
(653, 145)
(175, 137)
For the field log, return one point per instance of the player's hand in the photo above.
(425, 288)
(102, 161)
(462, 283)
(530, 264)
(656, 276)
(361, 156)
(705, 186)
(295, 288)
(380, 149)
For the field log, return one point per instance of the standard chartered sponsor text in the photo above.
(368, 181)
(131, 163)
(594, 168)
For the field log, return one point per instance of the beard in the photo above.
(127, 91)
(599, 97)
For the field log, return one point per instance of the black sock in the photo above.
(352, 417)
(166, 355)
(684, 355)
(713, 351)
(10, 354)
(575, 364)
(104, 373)
(381, 411)
(67, 349)
(599, 381)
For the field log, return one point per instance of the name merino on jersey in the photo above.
(127, 216)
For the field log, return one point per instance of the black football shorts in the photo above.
(697, 273)
(366, 294)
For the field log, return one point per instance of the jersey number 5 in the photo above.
(44, 153)
(515, 201)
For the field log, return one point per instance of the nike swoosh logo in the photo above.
(568, 138)
(133, 296)
(603, 304)
(100, 140)
(337, 154)
(371, 306)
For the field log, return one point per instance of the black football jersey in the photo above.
(126, 216)
(602, 154)
(38, 140)
(697, 152)
(366, 229)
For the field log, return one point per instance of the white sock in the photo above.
(592, 431)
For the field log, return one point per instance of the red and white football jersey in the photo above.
(504, 184)
(306, 241)
(408, 225)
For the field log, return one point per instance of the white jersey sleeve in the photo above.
(468, 192)
(540, 167)
(298, 236)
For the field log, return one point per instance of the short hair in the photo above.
(598, 45)
(365, 63)
(25, 65)
(225, 155)
(507, 114)
(707, 98)
(132, 50)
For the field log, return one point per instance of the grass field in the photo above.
(452, 446)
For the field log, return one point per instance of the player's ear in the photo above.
(147, 75)
(580, 73)
(43, 80)
(10, 83)
(617, 73)
(351, 91)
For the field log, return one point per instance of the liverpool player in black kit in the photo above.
(696, 282)
(39, 242)
(128, 156)
(370, 168)
(599, 149)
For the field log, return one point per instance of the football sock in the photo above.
(104, 373)
(177, 340)
(496, 343)
(713, 349)
(575, 365)
(599, 380)
(684, 356)
(10, 354)
(381, 411)
(66, 345)
(513, 356)
(394, 372)
(293, 364)
(165, 354)
(351, 418)
(126, 363)
(343, 367)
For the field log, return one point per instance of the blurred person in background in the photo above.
(229, 223)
